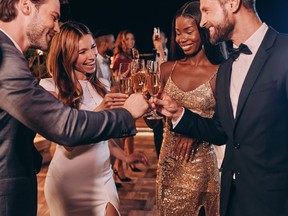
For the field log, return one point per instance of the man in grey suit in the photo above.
(251, 113)
(0, 56)
(26, 108)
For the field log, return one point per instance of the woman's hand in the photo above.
(137, 157)
(158, 46)
(112, 100)
(183, 149)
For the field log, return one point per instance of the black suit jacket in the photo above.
(26, 108)
(257, 139)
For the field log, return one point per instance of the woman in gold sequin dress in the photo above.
(187, 175)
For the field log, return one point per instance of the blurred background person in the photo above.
(124, 44)
(188, 180)
(80, 179)
(105, 42)
(160, 46)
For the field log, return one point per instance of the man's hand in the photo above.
(136, 105)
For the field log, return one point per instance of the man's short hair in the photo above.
(102, 32)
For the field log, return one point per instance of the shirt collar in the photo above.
(255, 40)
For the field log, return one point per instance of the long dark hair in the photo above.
(192, 10)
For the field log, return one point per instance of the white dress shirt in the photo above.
(242, 64)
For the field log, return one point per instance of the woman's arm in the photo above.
(135, 157)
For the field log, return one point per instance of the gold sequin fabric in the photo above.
(187, 175)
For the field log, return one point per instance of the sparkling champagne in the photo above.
(153, 83)
(125, 85)
(138, 81)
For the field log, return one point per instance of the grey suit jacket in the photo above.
(26, 108)
(257, 139)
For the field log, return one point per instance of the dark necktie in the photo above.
(234, 53)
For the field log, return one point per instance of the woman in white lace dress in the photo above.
(80, 179)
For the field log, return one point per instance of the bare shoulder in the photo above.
(166, 68)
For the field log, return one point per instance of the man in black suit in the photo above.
(26, 108)
(251, 114)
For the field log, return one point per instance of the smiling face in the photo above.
(187, 35)
(217, 20)
(44, 24)
(129, 41)
(86, 61)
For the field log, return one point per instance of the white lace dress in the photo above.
(80, 182)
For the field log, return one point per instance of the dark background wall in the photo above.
(142, 16)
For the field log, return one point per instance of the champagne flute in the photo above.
(138, 75)
(156, 33)
(124, 78)
(153, 85)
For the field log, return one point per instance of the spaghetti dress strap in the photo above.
(212, 76)
(173, 68)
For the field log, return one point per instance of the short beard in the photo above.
(109, 52)
(222, 31)
(36, 34)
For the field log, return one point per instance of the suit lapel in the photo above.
(255, 69)
(227, 79)
(223, 89)
(5, 38)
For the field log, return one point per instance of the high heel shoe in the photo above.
(118, 185)
(126, 179)
(134, 169)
